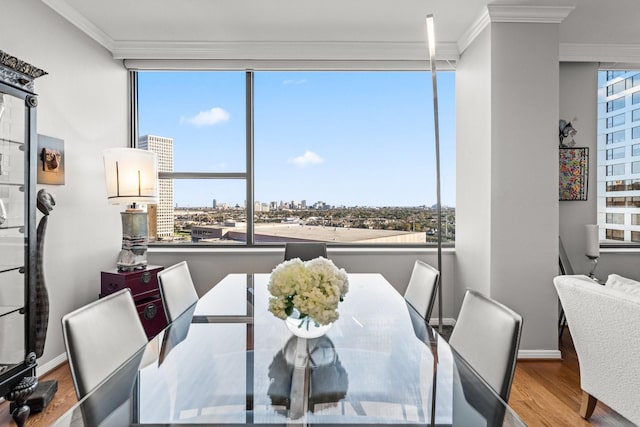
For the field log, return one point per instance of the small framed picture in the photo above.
(574, 173)
(50, 160)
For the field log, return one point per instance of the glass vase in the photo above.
(306, 327)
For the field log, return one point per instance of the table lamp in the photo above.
(593, 246)
(132, 177)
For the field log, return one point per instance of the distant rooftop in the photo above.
(265, 233)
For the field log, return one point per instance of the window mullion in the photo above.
(250, 158)
(202, 175)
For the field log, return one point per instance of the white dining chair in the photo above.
(100, 337)
(487, 335)
(177, 289)
(422, 288)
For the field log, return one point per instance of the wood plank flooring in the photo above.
(547, 393)
(544, 393)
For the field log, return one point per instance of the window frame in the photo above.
(611, 168)
(611, 137)
(613, 153)
(249, 174)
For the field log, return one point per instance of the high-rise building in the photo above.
(161, 215)
(619, 155)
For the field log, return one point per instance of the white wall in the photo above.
(207, 267)
(525, 85)
(507, 174)
(83, 100)
(578, 98)
(473, 167)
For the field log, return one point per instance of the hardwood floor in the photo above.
(544, 393)
(64, 399)
(547, 393)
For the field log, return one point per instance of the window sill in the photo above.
(627, 250)
(331, 250)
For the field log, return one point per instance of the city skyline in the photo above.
(302, 204)
(356, 138)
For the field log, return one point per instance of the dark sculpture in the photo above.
(567, 132)
(45, 203)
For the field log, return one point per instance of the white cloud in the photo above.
(207, 118)
(308, 158)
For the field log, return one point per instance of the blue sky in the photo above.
(345, 138)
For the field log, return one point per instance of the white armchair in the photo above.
(604, 324)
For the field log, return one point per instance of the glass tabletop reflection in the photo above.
(228, 360)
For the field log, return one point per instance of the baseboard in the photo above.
(540, 354)
(50, 365)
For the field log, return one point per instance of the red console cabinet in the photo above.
(145, 292)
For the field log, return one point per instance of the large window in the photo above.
(617, 169)
(269, 157)
(616, 104)
(616, 120)
(615, 137)
(615, 153)
(615, 218)
(614, 234)
(623, 185)
(619, 195)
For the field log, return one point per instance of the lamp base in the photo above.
(593, 269)
(129, 261)
(133, 255)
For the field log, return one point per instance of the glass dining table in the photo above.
(228, 360)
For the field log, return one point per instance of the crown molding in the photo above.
(474, 31)
(514, 14)
(279, 50)
(583, 52)
(70, 14)
(528, 14)
(282, 65)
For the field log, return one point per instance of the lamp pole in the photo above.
(431, 41)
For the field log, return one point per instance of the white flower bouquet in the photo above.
(312, 288)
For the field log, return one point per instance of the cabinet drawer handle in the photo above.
(150, 311)
(146, 277)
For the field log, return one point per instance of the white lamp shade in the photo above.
(593, 241)
(131, 176)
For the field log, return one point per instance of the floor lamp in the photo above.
(431, 42)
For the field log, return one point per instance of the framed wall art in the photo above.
(50, 160)
(574, 173)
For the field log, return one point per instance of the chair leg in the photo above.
(562, 322)
(588, 405)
